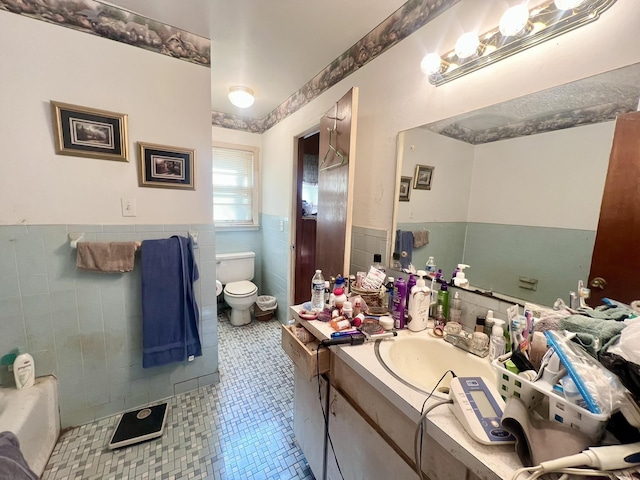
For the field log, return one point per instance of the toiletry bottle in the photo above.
(327, 293)
(488, 323)
(453, 277)
(24, 371)
(439, 321)
(317, 292)
(395, 264)
(480, 325)
(443, 299)
(347, 310)
(340, 323)
(388, 301)
(377, 262)
(455, 309)
(410, 284)
(460, 280)
(399, 303)
(419, 304)
(430, 267)
(497, 342)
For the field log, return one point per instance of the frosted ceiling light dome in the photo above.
(568, 4)
(467, 45)
(241, 97)
(514, 21)
(431, 64)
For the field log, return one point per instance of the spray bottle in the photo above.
(399, 303)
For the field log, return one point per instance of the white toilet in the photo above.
(235, 271)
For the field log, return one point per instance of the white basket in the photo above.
(266, 303)
(560, 409)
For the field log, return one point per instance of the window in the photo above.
(235, 185)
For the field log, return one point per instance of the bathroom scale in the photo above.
(139, 426)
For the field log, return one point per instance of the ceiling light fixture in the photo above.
(241, 97)
(519, 29)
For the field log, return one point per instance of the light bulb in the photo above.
(431, 64)
(241, 97)
(467, 45)
(514, 21)
(568, 4)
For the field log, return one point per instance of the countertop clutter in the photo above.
(486, 462)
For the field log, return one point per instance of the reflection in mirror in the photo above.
(517, 187)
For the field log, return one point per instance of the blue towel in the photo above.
(12, 463)
(404, 246)
(169, 311)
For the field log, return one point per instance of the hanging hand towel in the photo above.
(420, 238)
(170, 317)
(109, 257)
(404, 246)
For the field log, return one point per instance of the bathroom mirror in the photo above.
(516, 187)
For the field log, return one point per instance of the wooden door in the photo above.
(305, 246)
(616, 254)
(335, 185)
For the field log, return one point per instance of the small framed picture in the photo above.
(166, 167)
(88, 132)
(423, 177)
(405, 188)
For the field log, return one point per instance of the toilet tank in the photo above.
(234, 267)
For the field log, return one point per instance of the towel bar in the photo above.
(74, 238)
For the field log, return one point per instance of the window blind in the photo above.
(233, 186)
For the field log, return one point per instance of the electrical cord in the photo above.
(417, 445)
(324, 414)
(538, 472)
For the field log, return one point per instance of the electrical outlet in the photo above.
(128, 207)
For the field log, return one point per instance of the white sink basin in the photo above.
(420, 360)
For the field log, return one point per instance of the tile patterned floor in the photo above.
(241, 428)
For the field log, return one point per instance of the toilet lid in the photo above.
(243, 287)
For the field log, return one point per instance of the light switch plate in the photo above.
(128, 207)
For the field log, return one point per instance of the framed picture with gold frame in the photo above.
(405, 189)
(89, 132)
(166, 167)
(423, 177)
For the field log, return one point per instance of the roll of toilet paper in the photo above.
(218, 288)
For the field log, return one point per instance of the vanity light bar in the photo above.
(545, 21)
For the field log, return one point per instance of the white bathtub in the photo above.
(32, 415)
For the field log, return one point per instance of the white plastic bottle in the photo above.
(317, 292)
(24, 371)
(497, 342)
(430, 267)
(460, 280)
(419, 304)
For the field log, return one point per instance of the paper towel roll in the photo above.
(218, 288)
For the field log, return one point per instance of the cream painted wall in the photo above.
(167, 100)
(227, 135)
(554, 179)
(448, 199)
(395, 96)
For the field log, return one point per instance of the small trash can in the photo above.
(265, 307)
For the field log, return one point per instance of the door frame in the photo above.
(312, 128)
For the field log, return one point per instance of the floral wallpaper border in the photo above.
(114, 23)
(403, 22)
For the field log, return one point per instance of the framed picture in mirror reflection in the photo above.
(405, 188)
(423, 177)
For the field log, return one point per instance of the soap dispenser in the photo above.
(460, 280)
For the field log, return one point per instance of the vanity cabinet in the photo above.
(359, 450)
(308, 419)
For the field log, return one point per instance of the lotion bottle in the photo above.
(497, 342)
(419, 304)
(24, 371)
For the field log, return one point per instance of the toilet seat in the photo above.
(244, 288)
